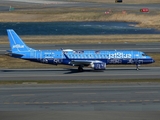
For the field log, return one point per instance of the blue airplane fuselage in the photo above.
(108, 57)
(96, 59)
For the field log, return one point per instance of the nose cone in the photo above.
(149, 60)
(153, 60)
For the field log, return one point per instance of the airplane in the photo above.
(95, 59)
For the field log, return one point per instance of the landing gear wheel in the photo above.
(80, 69)
(137, 68)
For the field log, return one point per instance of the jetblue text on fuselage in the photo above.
(120, 55)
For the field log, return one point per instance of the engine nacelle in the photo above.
(98, 66)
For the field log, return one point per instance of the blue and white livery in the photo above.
(96, 59)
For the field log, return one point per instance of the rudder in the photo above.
(16, 43)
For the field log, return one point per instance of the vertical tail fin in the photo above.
(16, 43)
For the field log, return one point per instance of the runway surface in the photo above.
(71, 101)
(73, 74)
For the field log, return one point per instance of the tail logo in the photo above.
(18, 46)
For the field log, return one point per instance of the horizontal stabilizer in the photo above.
(16, 55)
(9, 51)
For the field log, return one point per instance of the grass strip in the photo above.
(48, 14)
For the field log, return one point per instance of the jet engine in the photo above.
(98, 66)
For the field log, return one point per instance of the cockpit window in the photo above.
(143, 54)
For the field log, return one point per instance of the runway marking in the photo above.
(22, 95)
(147, 92)
(156, 100)
(84, 93)
(85, 102)
(7, 103)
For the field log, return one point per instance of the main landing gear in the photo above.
(80, 68)
(137, 66)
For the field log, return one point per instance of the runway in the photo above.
(111, 73)
(93, 101)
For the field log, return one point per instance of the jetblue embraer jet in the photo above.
(96, 59)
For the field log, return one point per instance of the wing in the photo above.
(81, 62)
(95, 64)
(84, 62)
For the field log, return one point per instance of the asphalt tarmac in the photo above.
(72, 74)
(80, 101)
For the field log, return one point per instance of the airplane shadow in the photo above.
(125, 69)
(71, 70)
(27, 70)
(66, 70)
